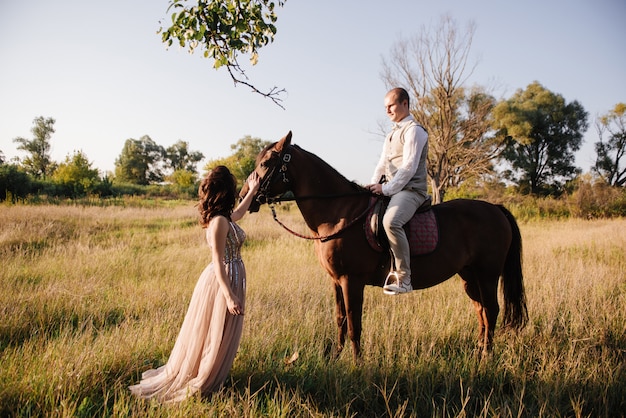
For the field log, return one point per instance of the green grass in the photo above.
(92, 296)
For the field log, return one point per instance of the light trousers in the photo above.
(401, 209)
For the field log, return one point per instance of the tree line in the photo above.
(526, 142)
(142, 167)
(531, 152)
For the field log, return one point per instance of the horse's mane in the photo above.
(330, 168)
(354, 185)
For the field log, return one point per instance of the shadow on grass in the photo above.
(451, 382)
(456, 384)
(47, 324)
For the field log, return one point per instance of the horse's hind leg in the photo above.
(474, 294)
(485, 300)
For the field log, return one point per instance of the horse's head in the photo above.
(271, 166)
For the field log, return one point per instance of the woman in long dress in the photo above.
(209, 337)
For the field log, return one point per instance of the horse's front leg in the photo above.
(353, 302)
(340, 317)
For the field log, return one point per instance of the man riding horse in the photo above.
(402, 173)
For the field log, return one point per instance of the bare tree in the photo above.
(433, 67)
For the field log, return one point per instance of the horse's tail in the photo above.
(515, 310)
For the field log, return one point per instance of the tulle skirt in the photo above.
(206, 345)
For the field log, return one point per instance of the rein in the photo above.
(325, 237)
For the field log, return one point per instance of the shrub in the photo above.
(14, 183)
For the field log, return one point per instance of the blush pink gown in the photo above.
(209, 337)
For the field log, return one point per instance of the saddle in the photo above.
(422, 230)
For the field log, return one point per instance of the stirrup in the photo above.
(392, 275)
(392, 278)
(396, 287)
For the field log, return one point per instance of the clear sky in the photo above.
(100, 70)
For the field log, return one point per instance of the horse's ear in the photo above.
(284, 142)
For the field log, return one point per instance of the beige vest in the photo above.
(419, 181)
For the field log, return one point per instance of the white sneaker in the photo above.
(393, 286)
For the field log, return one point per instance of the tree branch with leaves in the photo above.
(225, 29)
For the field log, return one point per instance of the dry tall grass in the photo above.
(93, 296)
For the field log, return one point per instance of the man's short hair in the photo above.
(401, 95)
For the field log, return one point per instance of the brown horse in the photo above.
(478, 240)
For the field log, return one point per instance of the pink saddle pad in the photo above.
(422, 231)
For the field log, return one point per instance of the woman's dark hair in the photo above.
(217, 194)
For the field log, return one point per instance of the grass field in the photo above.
(92, 296)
